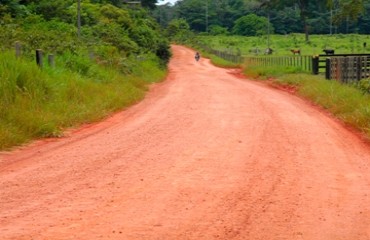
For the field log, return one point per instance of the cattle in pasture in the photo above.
(269, 51)
(296, 51)
(329, 51)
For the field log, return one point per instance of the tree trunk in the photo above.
(306, 30)
(79, 18)
(302, 6)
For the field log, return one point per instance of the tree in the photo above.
(194, 13)
(12, 7)
(250, 25)
(348, 10)
(177, 27)
(217, 30)
(151, 4)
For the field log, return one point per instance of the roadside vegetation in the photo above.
(120, 51)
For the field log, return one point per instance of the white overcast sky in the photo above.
(160, 2)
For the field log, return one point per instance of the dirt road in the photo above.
(206, 155)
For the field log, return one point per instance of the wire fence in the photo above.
(345, 68)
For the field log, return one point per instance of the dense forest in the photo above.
(250, 17)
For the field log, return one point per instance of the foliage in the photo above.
(50, 25)
(164, 52)
(250, 25)
(364, 85)
(218, 30)
(113, 34)
(119, 52)
(178, 30)
(35, 103)
(286, 16)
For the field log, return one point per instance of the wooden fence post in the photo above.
(359, 68)
(328, 69)
(18, 49)
(39, 57)
(91, 55)
(315, 65)
(51, 60)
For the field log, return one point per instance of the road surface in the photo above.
(206, 155)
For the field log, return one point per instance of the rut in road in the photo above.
(206, 155)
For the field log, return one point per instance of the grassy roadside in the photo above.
(38, 103)
(219, 62)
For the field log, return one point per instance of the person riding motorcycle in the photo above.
(197, 56)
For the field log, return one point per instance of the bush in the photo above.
(76, 63)
(164, 52)
(364, 85)
(218, 30)
(178, 30)
(114, 34)
(251, 25)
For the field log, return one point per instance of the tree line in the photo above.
(251, 17)
(111, 27)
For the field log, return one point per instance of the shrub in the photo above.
(251, 25)
(76, 63)
(178, 30)
(164, 52)
(218, 30)
(364, 85)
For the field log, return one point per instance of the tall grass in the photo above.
(38, 103)
(220, 62)
(269, 71)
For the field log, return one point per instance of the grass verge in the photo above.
(219, 62)
(38, 103)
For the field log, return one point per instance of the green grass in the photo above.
(220, 62)
(267, 72)
(282, 44)
(38, 103)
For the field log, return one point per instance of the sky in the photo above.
(161, 2)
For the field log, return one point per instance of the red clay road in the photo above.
(206, 155)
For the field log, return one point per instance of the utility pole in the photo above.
(79, 18)
(268, 29)
(331, 21)
(207, 16)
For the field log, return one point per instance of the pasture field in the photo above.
(282, 44)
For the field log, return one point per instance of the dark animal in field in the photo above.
(296, 51)
(329, 51)
(269, 51)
